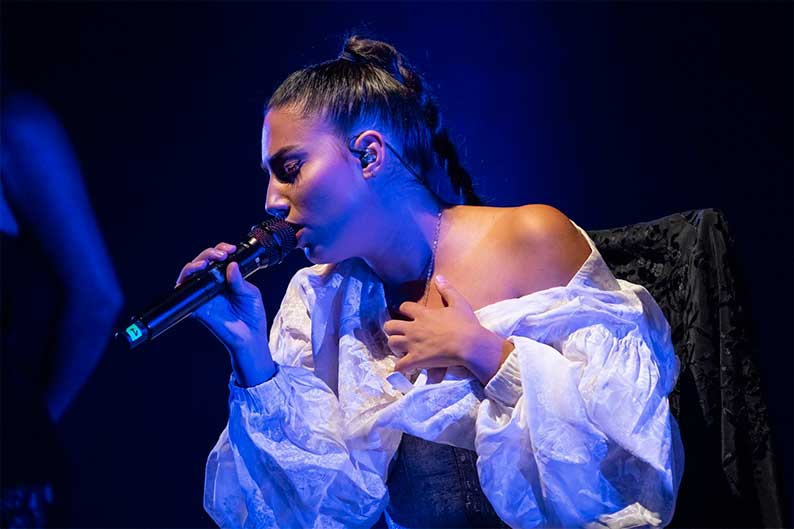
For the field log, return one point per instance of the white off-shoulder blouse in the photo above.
(574, 430)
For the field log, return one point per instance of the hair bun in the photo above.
(360, 50)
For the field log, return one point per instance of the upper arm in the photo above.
(549, 249)
(45, 187)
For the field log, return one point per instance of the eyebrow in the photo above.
(278, 155)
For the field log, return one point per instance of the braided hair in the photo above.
(371, 81)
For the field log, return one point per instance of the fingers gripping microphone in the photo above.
(267, 244)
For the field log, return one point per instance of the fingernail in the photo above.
(441, 280)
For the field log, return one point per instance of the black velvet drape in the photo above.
(686, 262)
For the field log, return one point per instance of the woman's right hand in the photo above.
(236, 316)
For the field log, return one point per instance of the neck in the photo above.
(403, 246)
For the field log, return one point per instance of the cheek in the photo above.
(322, 200)
(331, 206)
(330, 196)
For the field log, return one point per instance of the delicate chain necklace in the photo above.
(432, 265)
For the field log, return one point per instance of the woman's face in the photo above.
(315, 183)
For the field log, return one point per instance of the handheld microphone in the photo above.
(266, 244)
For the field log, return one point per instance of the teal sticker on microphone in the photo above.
(134, 332)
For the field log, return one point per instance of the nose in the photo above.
(276, 204)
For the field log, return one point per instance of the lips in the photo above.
(299, 230)
(294, 225)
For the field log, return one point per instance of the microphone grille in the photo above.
(276, 236)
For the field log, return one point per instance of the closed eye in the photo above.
(289, 171)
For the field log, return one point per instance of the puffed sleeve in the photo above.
(283, 460)
(575, 430)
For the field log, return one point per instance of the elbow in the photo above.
(109, 302)
(100, 304)
(113, 302)
(108, 298)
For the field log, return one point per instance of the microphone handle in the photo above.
(203, 286)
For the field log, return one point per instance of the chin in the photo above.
(309, 253)
(320, 255)
(315, 256)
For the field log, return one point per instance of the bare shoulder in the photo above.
(546, 246)
(539, 223)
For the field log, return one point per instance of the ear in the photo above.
(372, 142)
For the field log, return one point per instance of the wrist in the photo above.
(251, 368)
(487, 355)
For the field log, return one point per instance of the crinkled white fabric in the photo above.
(574, 430)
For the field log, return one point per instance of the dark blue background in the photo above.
(614, 113)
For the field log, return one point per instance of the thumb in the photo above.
(235, 279)
(451, 296)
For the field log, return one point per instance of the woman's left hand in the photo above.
(448, 336)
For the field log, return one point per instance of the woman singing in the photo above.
(499, 331)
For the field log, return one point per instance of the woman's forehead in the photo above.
(283, 127)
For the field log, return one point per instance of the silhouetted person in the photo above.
(60, 299)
